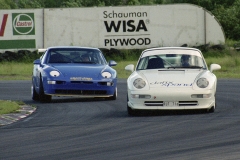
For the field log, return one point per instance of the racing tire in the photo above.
(212, 109)
(42, 96)
(130, 111)
(114, 97)
(35, 95)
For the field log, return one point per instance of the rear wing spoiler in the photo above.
(41, 50)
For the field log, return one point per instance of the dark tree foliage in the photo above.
(7, 4)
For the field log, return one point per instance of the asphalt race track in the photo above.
(97, 129)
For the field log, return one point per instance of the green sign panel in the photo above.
(18, 44)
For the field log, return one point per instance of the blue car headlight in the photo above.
(54, 73)
(106, 75)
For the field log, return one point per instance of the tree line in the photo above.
(226, 11)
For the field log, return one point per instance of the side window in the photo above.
(142, 63)
(44, 57)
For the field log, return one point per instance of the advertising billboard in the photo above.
(125, 27)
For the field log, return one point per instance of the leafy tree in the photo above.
(150, 2)
(30, 4)
(52, 3)
(133, 2)
(71, 3)
(7, 4)
(229, 19)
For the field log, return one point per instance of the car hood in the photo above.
(84, 70)
(171, 78)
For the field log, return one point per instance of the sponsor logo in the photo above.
(3, 25)
(126, 29)
(80, 79)
(23, 23)
(171, 84)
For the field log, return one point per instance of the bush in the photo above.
(19, 56)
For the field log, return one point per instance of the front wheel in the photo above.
(211, 110)
(131, 112)
(35, 95)
(42, 96)
(114, 97)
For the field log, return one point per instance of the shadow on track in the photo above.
(147, 113)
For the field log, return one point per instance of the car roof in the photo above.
(171, 50)
(63, 47)
(55, 47)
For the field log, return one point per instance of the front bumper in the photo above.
(97, 88)
(171, 99)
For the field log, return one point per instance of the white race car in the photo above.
(171, 78)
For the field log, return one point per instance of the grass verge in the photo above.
(9, 106)
(230, 63)
(23, 71)
(15, 71)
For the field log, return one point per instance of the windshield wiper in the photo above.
(194, 67)
(90, 62)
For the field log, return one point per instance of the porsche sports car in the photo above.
(73, 71)
(171, 78)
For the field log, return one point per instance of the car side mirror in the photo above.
(112, 63)
(130, 67)
(214, 67)
(37, 61)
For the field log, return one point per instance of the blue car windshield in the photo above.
(75, 55)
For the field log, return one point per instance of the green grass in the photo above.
(8, 107)
(230, 66)
(15, 71)
(120, 68)
(228, 59)
(22, 71)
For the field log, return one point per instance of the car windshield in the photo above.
(75, 55)
(169, 61)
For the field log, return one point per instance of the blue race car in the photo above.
(73, 71)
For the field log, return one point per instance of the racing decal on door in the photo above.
(171, 84)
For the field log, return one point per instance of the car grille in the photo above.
(188, 103)
(82, 82)
(153, 103)
(80, 92)
(180, 103)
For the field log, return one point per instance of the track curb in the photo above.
(23, 112)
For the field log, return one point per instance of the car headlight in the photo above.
(202, 82)
(106, 74)
(54, 73)
(139, 83)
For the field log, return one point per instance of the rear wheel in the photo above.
(42, 96)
